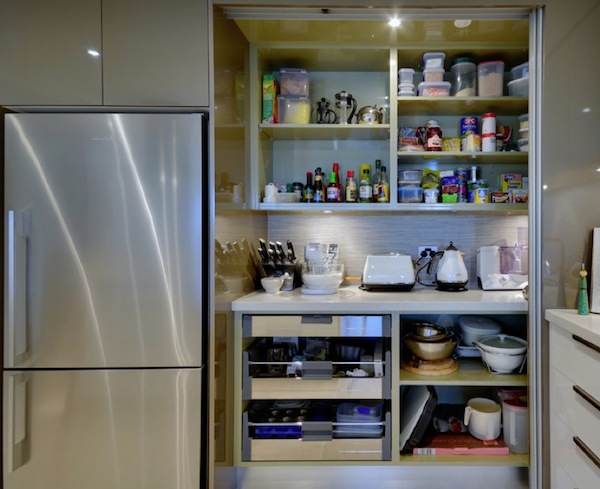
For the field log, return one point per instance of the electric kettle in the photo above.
(451, 272)
(346, 105)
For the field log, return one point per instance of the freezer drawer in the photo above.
(135, 429)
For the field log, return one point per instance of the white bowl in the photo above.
(322, 277)
(272, 285)
(502, 353)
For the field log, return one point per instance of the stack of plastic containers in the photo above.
(406, 85)
(409, 186)
(519, 85)
(293, 102)
(433, 83)
(523, 141)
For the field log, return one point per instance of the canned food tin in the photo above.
(482, 195)
(488, 123)
(461, 173)
(468, 125)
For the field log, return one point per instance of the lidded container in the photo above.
(463, 75)
(490, 78)
(474, 328)
(293, 82)
(433, 61)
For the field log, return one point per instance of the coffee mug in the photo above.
(482, 417)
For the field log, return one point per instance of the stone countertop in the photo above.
(350, 299)
(588, 327)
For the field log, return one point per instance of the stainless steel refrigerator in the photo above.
(105, 307)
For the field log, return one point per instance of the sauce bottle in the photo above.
(365, 190)
(333, 189)
(318, 197)
(433, 139)
(351, 187)
(336, 169)
(383, 186)
(376, 178)
(309, 189)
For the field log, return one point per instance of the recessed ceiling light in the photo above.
(586, 110)
(462, 23)
(93, 52)
(394, 22)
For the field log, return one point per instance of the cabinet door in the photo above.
(44, 57)
(155, 52)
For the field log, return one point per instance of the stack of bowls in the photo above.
(430, 342)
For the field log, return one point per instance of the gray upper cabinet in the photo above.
(147, 52)
(155, 52)
(44, 58)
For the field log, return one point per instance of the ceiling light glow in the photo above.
(394, 22)
(462, 23)
(93, 52)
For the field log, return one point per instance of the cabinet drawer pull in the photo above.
(591, 455)
(317, 319)
(587, 396)
(579, 339)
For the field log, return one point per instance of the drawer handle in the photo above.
(317, 319)
(591, 455)
(579, 339)
(587, 396)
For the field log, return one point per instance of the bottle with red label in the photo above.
(433, 138)
(333, 189)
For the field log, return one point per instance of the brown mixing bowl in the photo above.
(428, 350)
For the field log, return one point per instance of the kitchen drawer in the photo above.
(579, 466)
(315, 380)
(569, 404)
(559, 479)
(316, 325)
(578, 361)
(318, 441)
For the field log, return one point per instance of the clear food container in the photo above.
(490, 78)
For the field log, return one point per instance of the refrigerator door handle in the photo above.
(16, 419)
(19, 224)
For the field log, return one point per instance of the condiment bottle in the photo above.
(433, 139)
(309, 189)
(336, 169)
(384, 186)
(376, 178)
(351, 187)
(333, 189)
(365, 190)
(319, 188)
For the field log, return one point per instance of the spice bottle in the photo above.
(365, 190)
(351, 187)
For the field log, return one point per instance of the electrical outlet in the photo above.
(428, 250)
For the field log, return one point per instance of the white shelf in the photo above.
(325, 132)
(399, 207)
(461, 106)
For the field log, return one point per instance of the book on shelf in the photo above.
(450, 443)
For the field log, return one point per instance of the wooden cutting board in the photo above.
(434, 367)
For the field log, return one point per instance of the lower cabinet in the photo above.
(574, 401)
(339, 388)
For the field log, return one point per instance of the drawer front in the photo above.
(578, 361)
(346, 388)
(579, 466)
(299, 450)
(559, 479)
(573, 406)
(317, 325)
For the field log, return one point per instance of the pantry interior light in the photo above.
(462, 23)
(327, 212)
(586, 110)
(94, 53)
(394, 22)
(545, 187)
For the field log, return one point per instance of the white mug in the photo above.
(483, 416)
(238, 191)
(270, 192)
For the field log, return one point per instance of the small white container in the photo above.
(433, 60)
(524, 121)
(433, 75)
(520, 71)
(523, 145)
(490, 78)
(519, 88)
(431, 195)
(410, 194)
(293, 82)
(473, 328)
(434, 89)
(410, 176)
(406, 75)
(294, 110)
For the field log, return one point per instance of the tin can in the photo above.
(488, 132)
(482, 195)
(468, 125)
(462, 191)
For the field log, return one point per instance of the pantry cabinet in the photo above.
(111, 52)
(283, 153)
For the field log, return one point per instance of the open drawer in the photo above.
(338, 370)
(316, 431)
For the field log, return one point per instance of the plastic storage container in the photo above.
(520, 71)
(294, 110)
(463, 74)
(433, 75)
(434, 89)
(410, 193)
(406, 75)
(293, 82)
(433, 60)
(519, 88)
(409, 177)
(524, 121)
(490, 78)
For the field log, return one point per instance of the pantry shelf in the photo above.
(325, 132)
(461, 106)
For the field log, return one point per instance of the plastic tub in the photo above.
(434, 89)
(293, 82)
(463, 74)
(433, 60)
(520, 71)
(519, 88)
(410, 193)
(406, 75)
(523, 144)
(433, 74)
(294, 110)
(524, 121)
(410, 176)
(490, 78)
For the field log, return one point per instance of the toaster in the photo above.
(388, 271)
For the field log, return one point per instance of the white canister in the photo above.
(270, 192)
(431, 195)
(488, 133)
(483, 416)
(515, 424)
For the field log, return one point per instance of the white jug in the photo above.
(515, 424)
(482, 416)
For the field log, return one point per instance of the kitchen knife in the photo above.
(281, 251)
(263, 247)
(291, 253)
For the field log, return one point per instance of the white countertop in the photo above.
(588, 327)
(351, 300)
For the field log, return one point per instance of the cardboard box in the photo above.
(269, 99)
(510, 180)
